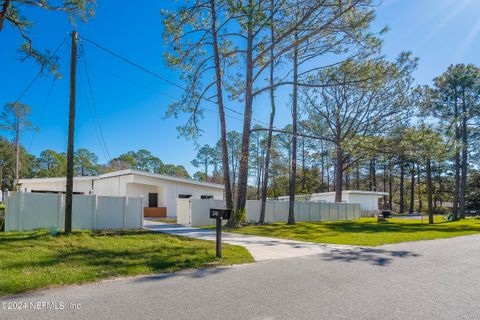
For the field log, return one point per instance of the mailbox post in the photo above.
(218, 215)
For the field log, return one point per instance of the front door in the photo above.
(153, 200)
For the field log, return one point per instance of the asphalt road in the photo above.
(421, 280)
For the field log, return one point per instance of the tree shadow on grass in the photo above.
(376, 227)
(120, 260)
(40, 234)
(89, 265)
(9, 237)
(342, 227)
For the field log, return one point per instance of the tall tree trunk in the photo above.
(420, 202)
(221, 109)
(272, 117)
(463, 181)
(247, 122)
(385, 207)
(303, 166)
(261, 177)
(322, 166)
(373, 175)
(428, 173)
(357, 175)
(338, 174)
(402, 193)
(293, 173)
(206, 169)
(328, 180)
(412, 190)
(456, 191)
(390, 190)
(234, 170)
(259, 164)
(334, 174)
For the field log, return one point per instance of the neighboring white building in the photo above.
(368, 200)
(159, 192)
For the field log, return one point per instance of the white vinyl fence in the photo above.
(29, 211)
(277, 211)
(195, 212)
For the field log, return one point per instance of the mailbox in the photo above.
(220, 214)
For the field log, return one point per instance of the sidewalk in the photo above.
(261, 248)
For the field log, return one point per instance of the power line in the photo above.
(45, 103)
(133, 63)
(85, 96)
(153, 73)
(119, 76)
(94, 103)
(114, 75)
(30, 84)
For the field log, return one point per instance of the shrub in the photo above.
(239, 218)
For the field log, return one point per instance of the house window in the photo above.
(206, 197)
(184, 196)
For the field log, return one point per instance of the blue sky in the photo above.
(439, 32)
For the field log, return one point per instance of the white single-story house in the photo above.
(368, 200)
(159, 192)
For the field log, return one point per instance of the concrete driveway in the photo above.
(261, 248)
(437, 279)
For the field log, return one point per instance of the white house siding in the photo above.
(327, 197)
(113, 186)
(367, 202)
(168, 191)
(56, 185)
(142, 190)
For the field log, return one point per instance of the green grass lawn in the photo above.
(364, 232)
(32, 260)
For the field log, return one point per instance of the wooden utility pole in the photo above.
(71, 129)
(18, 118)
